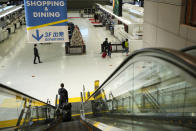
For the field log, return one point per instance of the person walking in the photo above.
(109, 49)
(126, 47)
(63, 95)
(95, 17)
(36, 54)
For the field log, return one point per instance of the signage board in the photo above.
(46, 21)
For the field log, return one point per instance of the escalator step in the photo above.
(70, 126)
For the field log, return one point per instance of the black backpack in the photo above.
(123, 44)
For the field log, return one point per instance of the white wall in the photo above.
(163, 25)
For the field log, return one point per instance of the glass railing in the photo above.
(20, 111)
(157, 83)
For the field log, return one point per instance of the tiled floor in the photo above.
(42, 80)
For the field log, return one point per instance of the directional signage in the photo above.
(46, 21)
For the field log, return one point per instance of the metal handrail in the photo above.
(190, 48)
(15, 92)
(28, 104)
(180, 59)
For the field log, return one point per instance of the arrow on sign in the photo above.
(37, 37)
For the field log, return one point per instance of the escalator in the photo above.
(21, 112)
(71, 126)
(152, 89)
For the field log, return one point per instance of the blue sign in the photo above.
(46, 20)
(37, 37)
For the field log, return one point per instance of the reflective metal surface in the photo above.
(152, 83)
(133, 125)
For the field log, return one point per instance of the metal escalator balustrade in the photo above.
(150, 83)
(20, 111)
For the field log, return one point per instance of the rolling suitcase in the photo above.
(66, 112)
(104, 54)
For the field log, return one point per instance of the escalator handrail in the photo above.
(187, 60)
(21, 93)
(191, 50)
(188, 48)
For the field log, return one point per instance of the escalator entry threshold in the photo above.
(77, 125)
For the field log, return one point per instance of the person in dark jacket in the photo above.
(36, 54)
(105, 45)
(95, 17)
(63, 95)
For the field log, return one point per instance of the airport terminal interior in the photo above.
(126, 65)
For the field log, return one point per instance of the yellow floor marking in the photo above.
(96, 124)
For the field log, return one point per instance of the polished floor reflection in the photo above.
(42, 80)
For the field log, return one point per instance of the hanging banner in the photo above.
(46, 21)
